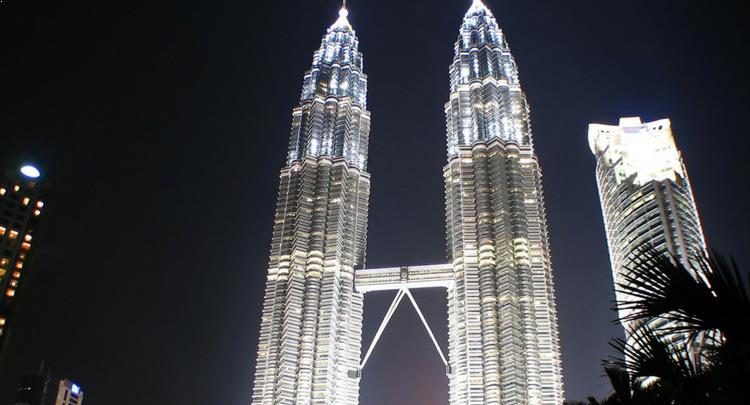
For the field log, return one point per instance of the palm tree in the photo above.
(709, 301)
(624, 393)
(657, 372)
(708, 298)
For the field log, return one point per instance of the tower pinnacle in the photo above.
(343, 21)
(477, 5)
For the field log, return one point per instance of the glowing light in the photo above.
(646, 150)
(476, 6)
(30, 171)
(342, 21)
(75, 389)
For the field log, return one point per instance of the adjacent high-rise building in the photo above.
(44, 389)
(503, 337)
(646, 197)
(68, 393)
(310, 337)
(20, 208)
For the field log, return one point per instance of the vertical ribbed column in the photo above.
(503, 340)
(487, 276)
(547, 338)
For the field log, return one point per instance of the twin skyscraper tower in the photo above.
(503, 345)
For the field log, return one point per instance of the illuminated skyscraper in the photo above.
(311, 325)
(645, 195)
(20, 209)
(44, 389)
(503, 337)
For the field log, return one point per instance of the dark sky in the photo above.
(162, 127)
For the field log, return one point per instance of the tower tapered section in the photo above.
(503, 337)
(310, 337)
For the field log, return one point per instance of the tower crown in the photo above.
(480, 19)
(478, 7)
(337, 64)
(332, 118)
(486, 98)
(638, 152)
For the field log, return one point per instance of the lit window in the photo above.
(27, 238)
(37, 212)
(19, 265)
(25, 246)
(39, 204)
(2, 191)
(3, 262)
(13, 234)
(10, 293)
(16, 187)
(2, 231)
(2, 321)
(14, 283)
(26, 201)
(16, 274)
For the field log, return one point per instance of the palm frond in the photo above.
(731, 295)
(645, 355)
(620, 381)
(594, 401)
(704, 297)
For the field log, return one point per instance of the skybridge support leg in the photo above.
(388, 315)
(426, 326)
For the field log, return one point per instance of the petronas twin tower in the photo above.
(503, 345)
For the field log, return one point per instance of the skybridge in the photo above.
(403, 279)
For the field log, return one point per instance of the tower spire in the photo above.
(478, 5)
(342, 21)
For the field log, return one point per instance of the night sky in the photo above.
(162, 127)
